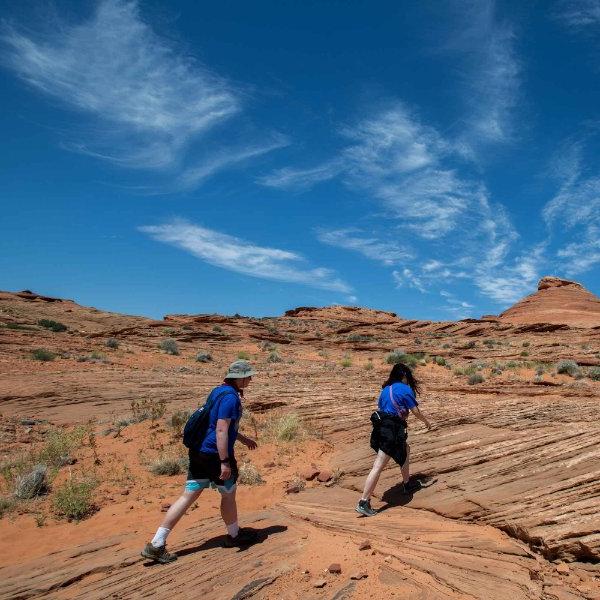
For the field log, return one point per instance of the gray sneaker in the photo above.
(364, 508)
(159, 555)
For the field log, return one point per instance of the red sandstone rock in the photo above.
(324, 476)
(335, 568)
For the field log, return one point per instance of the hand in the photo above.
(225, 471)
(250, 444)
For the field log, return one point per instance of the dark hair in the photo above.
(399, 373)
(232, 381)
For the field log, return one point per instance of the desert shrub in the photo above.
(217, 329)
(594, 373)
(249, 475)
(470, 370)
(470, 345)
(440, 360)
(148, 408)
(357, 337)
(6, 505)
(112, 343)
(43, 355)
(285, 428)
(567, 367)
(524, 353)
(511, 364)
(399, 356)
(476, 378)
(166, 465)
(52, 325)
(203, 357)
(539, 371)
(242, 355)
(267, 346)
(59, 444)
(33, 483)
(96, 355)
(446, 346)
(369, 365)
(178, 421)
(169, 346)
(274, 357)
(323, 353)
(73, 499)
(488, 343)
(346, 362)
(170, 331)
(526, 344)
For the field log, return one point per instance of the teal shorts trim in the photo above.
(195, 485)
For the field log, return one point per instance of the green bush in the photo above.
(446, 346)
(52, 325)
(43, 355)
(526, 344)
(369, 365)
(476, 378)
(346, 362)
(59, 445)
(242, 355)
(470, 345)
(399, 356)
(524, 353)
(169, 346)
(274, 357)
(440, 360)
(112, 343)
(594, 373)
(567, 367)
(6, 505)
(267, 346)
(73, 500)
(217, 329)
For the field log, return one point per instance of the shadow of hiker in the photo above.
(219, 541)
(395, 496)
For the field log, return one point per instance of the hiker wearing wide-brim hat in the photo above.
(210, 435)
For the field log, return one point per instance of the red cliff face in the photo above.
(558, 301)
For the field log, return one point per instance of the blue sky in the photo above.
(430, 158)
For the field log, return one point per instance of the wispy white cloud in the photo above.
(235, 254)
(388, 252)
(491, 75)
(575, 210)
(150, 100)
(459, 309)
(406, 277)
(301, 179)
(578, 14)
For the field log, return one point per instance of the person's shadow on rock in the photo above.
(219, 542)
(395, 496)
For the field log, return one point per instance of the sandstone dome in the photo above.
(557, 301)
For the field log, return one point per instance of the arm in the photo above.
(222, 431)
(417, 412)
(248, 442)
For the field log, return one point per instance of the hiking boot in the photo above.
(159, 555)
(364, 508)
(245, 537)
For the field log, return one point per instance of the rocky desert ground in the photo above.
(92, 405)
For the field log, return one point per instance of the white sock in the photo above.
(233, 529)
(160, 539)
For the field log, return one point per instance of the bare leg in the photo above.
(229, 508)
(381, 460)
(179, 508)
(405, 468)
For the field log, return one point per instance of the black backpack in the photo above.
(197, 425)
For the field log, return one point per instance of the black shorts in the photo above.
(389, 435)
(205, 471)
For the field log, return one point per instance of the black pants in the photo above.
(389, 435)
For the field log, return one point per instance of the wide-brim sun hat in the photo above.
(240, 369)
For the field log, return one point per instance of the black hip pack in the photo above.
(389, 435)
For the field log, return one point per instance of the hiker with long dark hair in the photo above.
(388, 438)
(212, 464)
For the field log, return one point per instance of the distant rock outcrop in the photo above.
(557, 301)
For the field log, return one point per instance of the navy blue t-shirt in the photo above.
(399, 401)
(228, 406)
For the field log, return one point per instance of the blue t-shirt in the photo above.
(228, 406)
(399, 402)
